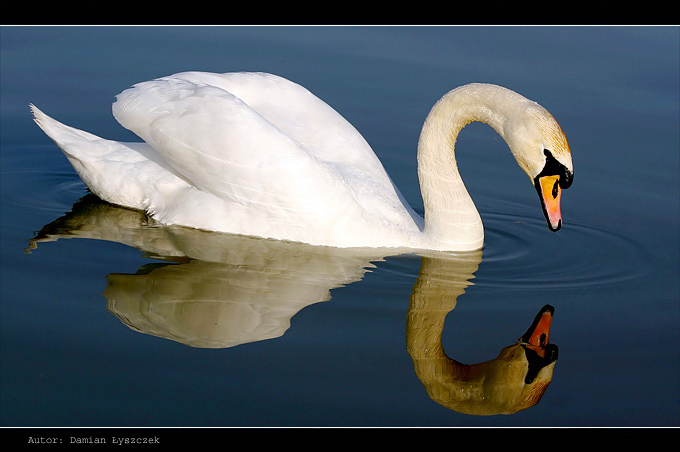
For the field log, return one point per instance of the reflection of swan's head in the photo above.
(518, 377)
(515, 380)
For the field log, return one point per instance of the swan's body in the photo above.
(256, 154)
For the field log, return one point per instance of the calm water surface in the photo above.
(111, 320)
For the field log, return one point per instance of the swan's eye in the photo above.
(555, 188)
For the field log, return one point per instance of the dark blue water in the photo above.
(111, 321)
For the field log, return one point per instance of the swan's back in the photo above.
(295, 111)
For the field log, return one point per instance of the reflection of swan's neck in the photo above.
(439, 285)
(427, 313)
(450, 214)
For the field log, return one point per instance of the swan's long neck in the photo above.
(451, 218)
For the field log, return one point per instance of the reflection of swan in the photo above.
(255, 154)
(226, 290)
(515, 380)
(219, 290)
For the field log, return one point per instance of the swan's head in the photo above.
(542, 151)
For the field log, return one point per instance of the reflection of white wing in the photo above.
(211, 305)
(226, 290)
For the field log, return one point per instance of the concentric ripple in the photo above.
(525, 255)
(36, 180)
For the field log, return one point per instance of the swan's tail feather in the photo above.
(103, 165)
(69, 139)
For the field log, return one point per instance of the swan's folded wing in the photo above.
(299, 114)
(226, 148)
(287, 159)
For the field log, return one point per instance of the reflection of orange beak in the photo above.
(537, 336)
(550, 192)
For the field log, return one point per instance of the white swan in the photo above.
(255, 154)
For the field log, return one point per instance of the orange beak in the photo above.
(550, 192)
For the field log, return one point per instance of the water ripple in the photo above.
(524, 255)
(53, 191)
